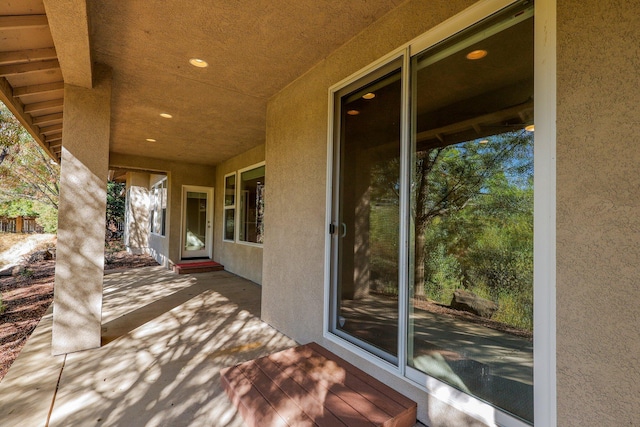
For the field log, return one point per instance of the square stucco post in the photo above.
(136, 237)
(77, 308)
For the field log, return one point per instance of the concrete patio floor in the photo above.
(165, 339)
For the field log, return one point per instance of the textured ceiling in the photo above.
(254, 48)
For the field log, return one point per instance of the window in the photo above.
(432, 213)
(251, 192)
(158, 211)
(229, 206)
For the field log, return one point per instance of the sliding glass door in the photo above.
(432, 219)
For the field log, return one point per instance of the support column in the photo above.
(136, 235)
(77, 309)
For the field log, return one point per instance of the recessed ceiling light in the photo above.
(151, 140)
(369, 95)
(353, 112)
(166, 115)
(197, 62)
(529, 128)
(476, 54)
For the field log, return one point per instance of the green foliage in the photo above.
(47, 218)
(115, 201)
(477, 221)
(19, 207)
(29, 179)
(473, 214)
(12, 133)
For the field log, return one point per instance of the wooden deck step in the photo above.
(310, 386)
(197, 267)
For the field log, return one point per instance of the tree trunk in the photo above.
(420, 259)
(422, 170)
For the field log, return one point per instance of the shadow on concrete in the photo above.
(167, 338)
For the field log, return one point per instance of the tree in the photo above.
(12, 133)
(449, 179)
(115, 204)
(26, 171)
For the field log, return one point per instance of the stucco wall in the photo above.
(598, 221)
(241, 259)
(296, 157)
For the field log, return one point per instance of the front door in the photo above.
(197, 219)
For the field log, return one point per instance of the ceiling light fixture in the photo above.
(151, 140)
(476, 54)
(529, 128)
(369, 95)
(166, 115)
(353, 112)
(197, 62)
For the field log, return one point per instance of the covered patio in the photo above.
(250, 148)
(165, 339)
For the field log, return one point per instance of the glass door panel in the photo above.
(197, 225)
(366, 216)
(471, 294)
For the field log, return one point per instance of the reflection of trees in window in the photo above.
(251, 191)
(473, 215)
(260, 213)
(229, 206)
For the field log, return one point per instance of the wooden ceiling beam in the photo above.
(27, 55)
(55, 137)
(48, 119)
(51, 129)
(29, 67)
(17, 22)
(41, 106)
(37, 89)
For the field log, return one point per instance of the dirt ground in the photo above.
(28, 294)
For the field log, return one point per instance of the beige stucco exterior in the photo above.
(598, 224)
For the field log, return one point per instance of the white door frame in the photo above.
(208, 250)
